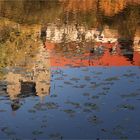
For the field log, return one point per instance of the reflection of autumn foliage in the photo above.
(108, 7)
(30, 11)
(19, 46)
(79, 5)
(111, 7)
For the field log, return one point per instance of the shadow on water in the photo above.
(69, 69)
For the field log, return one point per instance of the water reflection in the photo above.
(36, 80)
(65, 59)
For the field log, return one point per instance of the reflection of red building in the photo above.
(107, 59)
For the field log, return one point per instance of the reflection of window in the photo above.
(28, 88)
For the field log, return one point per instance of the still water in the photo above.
(70, 70)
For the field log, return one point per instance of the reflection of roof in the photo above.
(107, 59)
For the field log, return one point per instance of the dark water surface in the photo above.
(70, 71)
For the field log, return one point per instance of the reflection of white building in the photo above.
(42, 73)
(39, 77)
(73, 33)
(137, 44)
(137, 40)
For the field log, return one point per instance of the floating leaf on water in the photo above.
(87, 110)
(102, 93)
(44, 106)
(94, 120)
(75, 104)
(68, 83)
(98, 73)
(8, 131)
(106, 88)
(111, 79)
(75, 79)
(59, 78)
(95, 97)
(52, 105)
(96, 85)
(70, 112)
(37, 132)
(130, 75)
(91, 106)
(86, 94)
(87, 78)
(31, 111)
(127, 106)
(79, 86)
(43, 126)
(130, 95)
(54, 95)
(56, 136)
(118, 130)
(104, 130)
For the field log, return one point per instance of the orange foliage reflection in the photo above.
(107, 59)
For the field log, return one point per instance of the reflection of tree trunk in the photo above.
(99, 18)
(43, 34)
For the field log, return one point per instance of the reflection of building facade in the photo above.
(68, 33)
(14, 86)
(137, 41)
(73, 33)
(35, 82)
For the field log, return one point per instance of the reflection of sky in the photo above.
(108, 87)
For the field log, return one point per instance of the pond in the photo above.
(69, 70)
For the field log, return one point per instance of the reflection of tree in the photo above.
(20, 45)
(112, 7)
(73, 49)
(89, 13)
(28, 11)
(128, 23)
